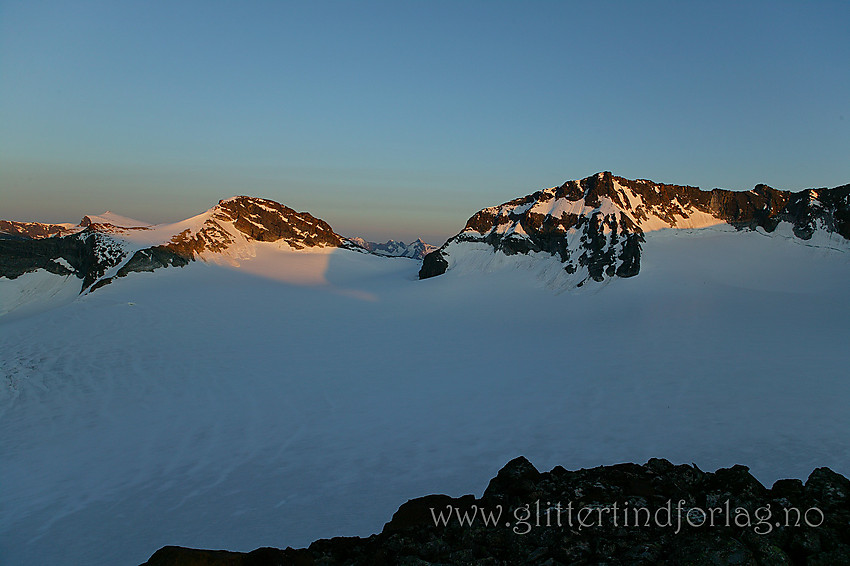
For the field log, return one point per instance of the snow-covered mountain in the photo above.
(253, 232)
(417, 249)
(109, 218)
(596, 228)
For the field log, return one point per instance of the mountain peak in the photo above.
(269, 221)
(596, 226)
(105, 246)
(109, 218)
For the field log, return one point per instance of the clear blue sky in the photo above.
(401, 119)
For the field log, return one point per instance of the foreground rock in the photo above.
(657, 513)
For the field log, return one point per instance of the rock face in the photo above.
(596, 226)
(417, 249)
(88, 255)
(657, 513)
(254, 219)
(148, 259)
(268, 221)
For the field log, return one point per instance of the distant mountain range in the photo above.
(594, 229)
(34, 230)
(15, 229)
(108, 246)
(414, 250)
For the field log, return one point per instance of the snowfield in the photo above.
(263, 404)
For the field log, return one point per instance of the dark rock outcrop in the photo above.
(598, 224)
(433, 264)
(89, 254)
(658, 513)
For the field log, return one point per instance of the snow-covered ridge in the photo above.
(596, 226)
(112, 219)
(240, 229)
(233, 224)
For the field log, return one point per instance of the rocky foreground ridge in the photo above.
(665, 514)
(596, 226)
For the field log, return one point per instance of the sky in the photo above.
(402, 119)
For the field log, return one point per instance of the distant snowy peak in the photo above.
(417, 249)
(111, 219)
(596, 226)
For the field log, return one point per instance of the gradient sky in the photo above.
(401, 119)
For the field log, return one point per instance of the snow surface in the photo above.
(212, 407)
(64, 263)
(36, 291)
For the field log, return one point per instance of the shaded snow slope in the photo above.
(37, 291)
(211, 408)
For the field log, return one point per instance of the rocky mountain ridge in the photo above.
(256, 219)
(97, 251)
(106, 222)
(596, 226)
(34, 230)
(657, 513)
